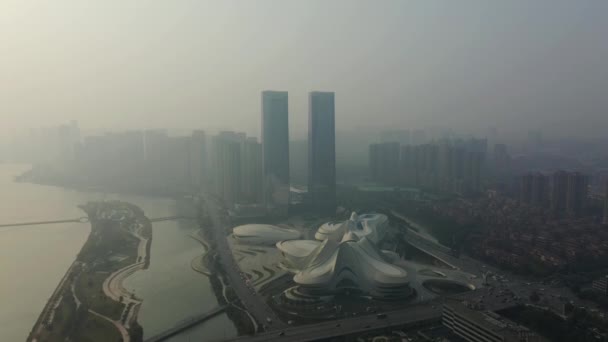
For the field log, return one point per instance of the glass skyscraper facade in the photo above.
(275, 151)
(322, 151)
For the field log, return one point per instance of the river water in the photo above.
(33, 259)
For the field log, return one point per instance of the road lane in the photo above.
(251, 300)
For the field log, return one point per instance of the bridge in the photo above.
(186, 324)
(83, 219)
(170, 218)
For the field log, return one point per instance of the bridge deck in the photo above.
(84, 220)
(169, 218)
(186, 324)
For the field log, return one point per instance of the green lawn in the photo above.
(95, 328)
(62, 323)
(89, 290)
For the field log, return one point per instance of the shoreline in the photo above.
(242, 321)
(123, 303)
(51, 302)
(202, 260)
(29, 177)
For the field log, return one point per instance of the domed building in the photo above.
(296, 252)
(372, 226)
(352, 264)
(263, 234)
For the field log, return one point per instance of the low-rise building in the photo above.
(601, 285)
(472, 322)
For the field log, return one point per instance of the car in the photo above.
(381, 316)
(337, 325)
(282, 333)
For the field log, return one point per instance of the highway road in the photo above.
(251, 300)
(311, 332)
(186, 324)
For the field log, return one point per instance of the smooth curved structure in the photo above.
(353, 264)
(372, 226)
(263, 234)
(295, 252)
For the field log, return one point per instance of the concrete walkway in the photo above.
(121, 328)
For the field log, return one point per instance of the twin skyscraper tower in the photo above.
(321, 151)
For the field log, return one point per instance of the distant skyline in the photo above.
(187, 64)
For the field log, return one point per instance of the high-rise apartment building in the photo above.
(227, 163)
(459, 165)
(448, 166)
(501, 162)
(275, 151)
(156, 154)
(427, 165)
(418, 137)
(525, 188)
(577, 193)
(155, 144)
(384, 162)
(601, 285)
(605, 219)
(559, 190)
(178, 164)
(67, 139)
(408, 165)
(472, 174)
(535, 139)
(322, 151)
(472, 323)
(445, 159)
(568, 193)
(402, 136)
(198, 160)
(251, 171)
(534, 189)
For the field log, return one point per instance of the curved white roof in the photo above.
(298, 248)
(346, 259)
(371, 225)
(330, 230)
(264, 233)
(356, 263)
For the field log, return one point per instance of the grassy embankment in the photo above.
(109, 248)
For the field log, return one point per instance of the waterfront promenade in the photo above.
(118, 246)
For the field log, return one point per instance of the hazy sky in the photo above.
(188, 64)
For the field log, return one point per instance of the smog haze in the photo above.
(466, 65)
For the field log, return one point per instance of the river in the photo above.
(33, 259)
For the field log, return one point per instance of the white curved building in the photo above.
(372, 226)
(263, 234)
(295, 252)
(352, 264)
